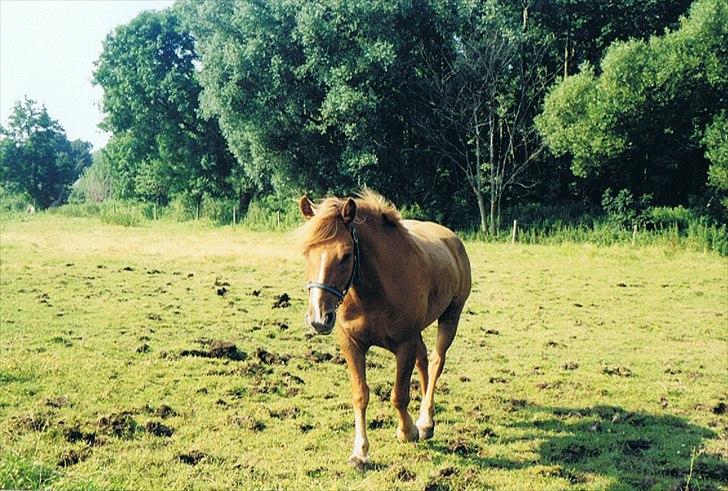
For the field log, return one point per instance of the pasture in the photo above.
(575, 366)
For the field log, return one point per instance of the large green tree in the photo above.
(37, 158)
(147, 70)
(639, 123)
(311, 94)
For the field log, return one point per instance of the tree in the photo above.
(478, 96)
(36, 157)
(147, 69)
(310, 94)
(639, 123)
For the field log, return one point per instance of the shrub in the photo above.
(272, 213)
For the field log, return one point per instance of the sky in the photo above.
(48, 50)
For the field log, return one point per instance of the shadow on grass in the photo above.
(634, 450)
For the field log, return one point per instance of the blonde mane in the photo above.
(371, 208)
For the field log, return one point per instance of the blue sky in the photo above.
(47, 52)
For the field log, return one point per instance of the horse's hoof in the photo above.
(412, 436)
(426, 432)
(359, 463)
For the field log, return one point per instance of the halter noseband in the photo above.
(355, 272)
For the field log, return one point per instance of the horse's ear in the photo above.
(348, 211)
(306, 207)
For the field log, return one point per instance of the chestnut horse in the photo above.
(382, 280)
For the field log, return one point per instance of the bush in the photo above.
(126, 214)
(273, 213)
(11, 202)
(624, 210)
(664, 217)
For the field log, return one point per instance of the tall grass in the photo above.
(674, 228)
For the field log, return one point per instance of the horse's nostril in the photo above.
(329, 318)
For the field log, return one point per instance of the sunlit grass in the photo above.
(574, 366)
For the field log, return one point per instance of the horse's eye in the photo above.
(346, 258)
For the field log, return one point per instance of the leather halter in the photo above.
(355, 272)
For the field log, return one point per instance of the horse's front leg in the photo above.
(356, 363)
(406, 355)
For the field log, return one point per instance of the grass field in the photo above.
(574, 367)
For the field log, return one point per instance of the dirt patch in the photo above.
(270, 358)
(164, 411)
(554, 344)
(280, 388)
(378, 422)
(382, 392)
(31, 422)
(290, 412)
(157, 428)
(318, 356)
(447, 471)
(497, 380)
(192, 457)
(617, 371)
(127, 268)
(571, 365)
(72, 457)
(405, 475)
(249, 423)
(636, 447)
(488, 433)
(217, 349)
(143, 348)
(339, 359)
(75, 434)
(282, 301)
(120, 425)
(515, 404)
(305, 427)
(720, 408)
(576, 452)
(492, 332)
(462, 447)
(58, 402)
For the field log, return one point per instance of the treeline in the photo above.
(467, 112)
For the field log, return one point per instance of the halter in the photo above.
(355, 272)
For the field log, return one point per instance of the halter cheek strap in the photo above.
(355, 272)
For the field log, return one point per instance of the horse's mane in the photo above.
(371, 208)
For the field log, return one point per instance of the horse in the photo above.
(382, 280)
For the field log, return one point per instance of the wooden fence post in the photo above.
(278, 219)
(513, 233)
(233, 215)
(197, 211)
(155, 210)
(634, 233)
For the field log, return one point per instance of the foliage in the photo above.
(161, 144)
(97, 182)
(716, 144)
(638, 123)
(624, 210)
(36, 158)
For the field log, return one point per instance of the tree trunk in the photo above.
(483, 215)
(493, 207)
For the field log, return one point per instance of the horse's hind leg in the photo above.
(447, 326)
(422, 365)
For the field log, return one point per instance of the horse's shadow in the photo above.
(632, 449)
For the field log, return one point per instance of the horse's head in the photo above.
(331, 258)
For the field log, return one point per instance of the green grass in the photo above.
(575, 366)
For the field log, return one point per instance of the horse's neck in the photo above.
(376, 246)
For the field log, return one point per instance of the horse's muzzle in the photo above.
(325, 326)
